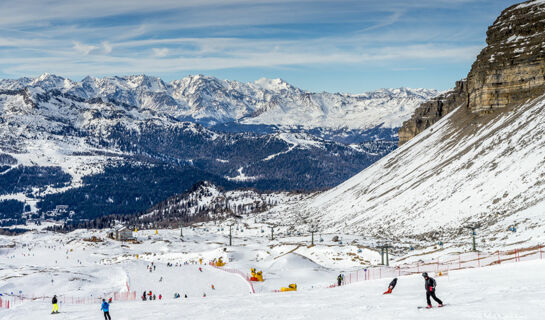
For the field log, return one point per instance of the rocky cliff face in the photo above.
(431, 111)
(509, 71)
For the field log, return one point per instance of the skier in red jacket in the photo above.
(391, 286)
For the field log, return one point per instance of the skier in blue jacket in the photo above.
(106, 308)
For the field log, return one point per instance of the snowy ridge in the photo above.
(265, 101)
(206, 201)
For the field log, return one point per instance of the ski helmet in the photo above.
(425, 274)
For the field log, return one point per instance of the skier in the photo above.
(391, 286)
(213, 288)
(106, 309)
(340, 279)
(160, 296)
(144, 296)
(430, 285)
(55, 306)
(200, 269)
(154, 296)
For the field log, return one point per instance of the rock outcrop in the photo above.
(431, 111)
(509, 71)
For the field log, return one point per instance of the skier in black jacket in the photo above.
(340, 279)
(430, 285)
(391, 286)
(55, 305)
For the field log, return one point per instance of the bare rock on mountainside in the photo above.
(431, 111)
(509, 70)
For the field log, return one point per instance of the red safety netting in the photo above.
(14, 300)
(445, 263)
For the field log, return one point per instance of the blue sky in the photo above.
(338, 46)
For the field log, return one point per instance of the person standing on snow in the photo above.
(340, 279)
(391, 286)
(55, 306)
(430, 285)
(106, 309)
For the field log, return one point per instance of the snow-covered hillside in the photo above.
(202, 202)
(474, 157)
(465, 170)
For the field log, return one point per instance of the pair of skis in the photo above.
(424, 307)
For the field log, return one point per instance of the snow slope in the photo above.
(464, 170)
(508, 291)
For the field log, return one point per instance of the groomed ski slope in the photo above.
(512, 291)
(94, 270)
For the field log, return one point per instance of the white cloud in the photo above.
(83, 48)
(107, 47)
(160, 52)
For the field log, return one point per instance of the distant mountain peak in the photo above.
(275, 85)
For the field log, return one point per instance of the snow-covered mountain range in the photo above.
(121, 144)
(209, 100)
